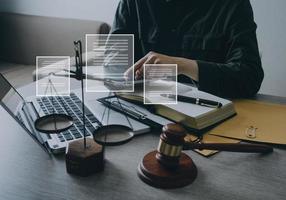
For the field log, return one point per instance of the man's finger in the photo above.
(133, 69)
(140, 62)
(129, 72)
(150, 60)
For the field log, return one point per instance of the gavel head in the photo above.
(170, 145)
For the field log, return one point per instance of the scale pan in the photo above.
(112, 135)
(53, 123)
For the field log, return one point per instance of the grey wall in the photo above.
(84, 9)
(270, 17)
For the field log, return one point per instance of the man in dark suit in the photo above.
(213, 41)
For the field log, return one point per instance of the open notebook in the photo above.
(193, 116)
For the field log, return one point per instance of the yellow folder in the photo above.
(207, 138)
(255, 121)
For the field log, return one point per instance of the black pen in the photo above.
(197, 101)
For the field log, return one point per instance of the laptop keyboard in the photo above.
(72, 107)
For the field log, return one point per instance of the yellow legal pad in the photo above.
(255, 121)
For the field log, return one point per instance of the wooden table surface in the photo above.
(27, 172)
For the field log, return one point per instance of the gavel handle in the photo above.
(246, 148)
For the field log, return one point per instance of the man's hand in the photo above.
(185, 66)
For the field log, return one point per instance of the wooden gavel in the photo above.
(169, 167)
(172, 142)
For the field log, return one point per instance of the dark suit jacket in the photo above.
(219, 34)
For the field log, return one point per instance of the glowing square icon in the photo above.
(160, 84)
(49, 77)
(108, 56)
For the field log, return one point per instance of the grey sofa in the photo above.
(23, 37)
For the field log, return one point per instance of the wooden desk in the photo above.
(27, 172)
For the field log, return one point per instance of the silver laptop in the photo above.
(26, 111)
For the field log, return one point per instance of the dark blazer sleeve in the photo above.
(122, 18)
(242, 74)
(126, 22)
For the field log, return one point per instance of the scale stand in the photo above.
(83, 157)
(56, 122)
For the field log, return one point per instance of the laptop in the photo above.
(26, 111)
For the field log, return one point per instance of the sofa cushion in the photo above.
(23, 37)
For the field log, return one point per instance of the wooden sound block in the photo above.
(153, 173)
(84, 161)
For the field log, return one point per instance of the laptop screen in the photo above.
(11, 100)
(9, 97)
